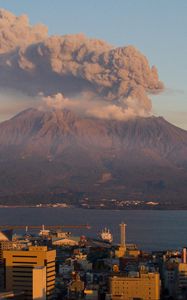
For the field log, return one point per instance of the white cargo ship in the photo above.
(106, 235)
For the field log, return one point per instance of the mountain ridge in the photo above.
(57, 152)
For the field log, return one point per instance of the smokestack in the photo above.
(123, 234)
(184, 255)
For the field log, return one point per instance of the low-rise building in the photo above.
(169, 278)
(181, 283)
(139, 285)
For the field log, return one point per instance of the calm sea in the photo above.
(150, 230)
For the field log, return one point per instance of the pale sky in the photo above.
(158, 28)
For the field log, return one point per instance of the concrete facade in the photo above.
(20, 269)
(145, 286)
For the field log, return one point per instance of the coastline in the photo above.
(130, 208)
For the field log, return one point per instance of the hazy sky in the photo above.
(158, 28)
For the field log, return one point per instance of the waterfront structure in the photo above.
(72, 241)
(122, 247)
(138, 285)
(6, 235)
(123, 234)
(125, 249)
(132, 250)
(106, 235)
(31, 271)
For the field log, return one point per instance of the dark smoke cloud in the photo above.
(104, 81)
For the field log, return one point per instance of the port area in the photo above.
(94, 268)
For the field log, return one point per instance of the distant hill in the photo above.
(58, 155)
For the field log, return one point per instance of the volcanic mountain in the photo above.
(56, 154)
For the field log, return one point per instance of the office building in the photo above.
(31, 271)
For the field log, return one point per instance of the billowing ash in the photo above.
(76, 72)
(16, 31)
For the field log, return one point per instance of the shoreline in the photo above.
(97, 208)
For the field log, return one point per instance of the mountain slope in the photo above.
(57, 152)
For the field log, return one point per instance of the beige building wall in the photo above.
(144, 287)
(39, 283)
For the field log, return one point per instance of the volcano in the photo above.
(56, 154)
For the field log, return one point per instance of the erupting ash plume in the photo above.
(73, 71)
(16, 31)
